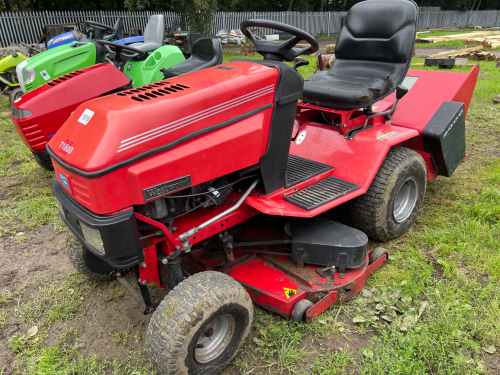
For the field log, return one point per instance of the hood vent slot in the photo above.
(64, 77)
(153, 91)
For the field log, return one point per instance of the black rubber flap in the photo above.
(321, 193)
(327, 243)
(444, 137)
(299, 170)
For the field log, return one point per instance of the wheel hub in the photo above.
(215, 339)
(406, 199)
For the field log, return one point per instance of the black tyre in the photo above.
(85, 261)
(200, 325)
(377, 253)
(391, 204)
(15, 94)
(300, 309)
(45, 164)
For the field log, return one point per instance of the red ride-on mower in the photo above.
(217, 191)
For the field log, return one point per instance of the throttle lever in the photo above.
(300, 63)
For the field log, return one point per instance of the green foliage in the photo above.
(196, 15)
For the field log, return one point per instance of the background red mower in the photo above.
(171, 183)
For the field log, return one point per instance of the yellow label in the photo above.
(387, 135)
(289, 292)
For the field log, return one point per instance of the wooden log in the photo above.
(459, 51)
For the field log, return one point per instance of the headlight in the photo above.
(29, 75)
(93, 237)
(19, 73)
(19, 113)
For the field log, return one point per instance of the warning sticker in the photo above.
(45, 75)
(387, 135)
(86, 116)
(289, 292)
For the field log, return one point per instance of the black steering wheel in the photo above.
(99, 28)
(31, 50)
(117, 52)
(279, 51)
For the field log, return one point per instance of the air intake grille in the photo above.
(152, 91)
(321, 193)
(299, 170)
(65, 77)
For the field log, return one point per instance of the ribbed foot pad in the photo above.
(299, 170)
(321, 193)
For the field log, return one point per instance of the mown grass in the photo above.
(434, 309)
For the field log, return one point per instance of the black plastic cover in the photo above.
(444, 137)
(326, 243)
(119, 233)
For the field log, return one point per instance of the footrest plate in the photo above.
(321, 193)
(299, 170)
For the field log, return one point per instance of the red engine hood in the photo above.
(52, 103)
(105, 132)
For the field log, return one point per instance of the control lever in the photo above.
(300, 63)
(400, 92)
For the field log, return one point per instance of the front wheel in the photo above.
(85, 261)
(15, 94)
(200, 325)
(391, 204)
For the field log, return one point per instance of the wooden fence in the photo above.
(27, 27)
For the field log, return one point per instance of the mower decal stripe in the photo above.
(200, 113)
(134, 159)
(181, 125)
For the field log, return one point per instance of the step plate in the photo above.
(299, 170)
(321, 193)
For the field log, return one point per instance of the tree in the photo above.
(196, 15)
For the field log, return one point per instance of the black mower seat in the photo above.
(372, 56)
(153, 35)
(206, 52)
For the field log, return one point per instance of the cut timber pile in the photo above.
(327, 61)
(304, 45)
(492, 41)
(248, 49)
(468, 36)
(473, 53)
(330, 49)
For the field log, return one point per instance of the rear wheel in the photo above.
(85, 261)
(200, 325)
(45, 164)
(391, 204)
(15, 94)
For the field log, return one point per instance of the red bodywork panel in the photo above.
(122, 128)
(52, 103)
(431, 89)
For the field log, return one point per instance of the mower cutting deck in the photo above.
(214, 183)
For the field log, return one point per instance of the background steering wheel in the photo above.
(279, 51)
(31, 50)
(116, 52)
(99, 28)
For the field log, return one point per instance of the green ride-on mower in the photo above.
(40, 113)
(8, 77)
(69, 58)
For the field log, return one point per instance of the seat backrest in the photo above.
(379, 30)
(207, 49)
(205, 53)
(118, 29)
(155, 30)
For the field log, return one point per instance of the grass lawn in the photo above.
(454, 43)
(434, 309)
